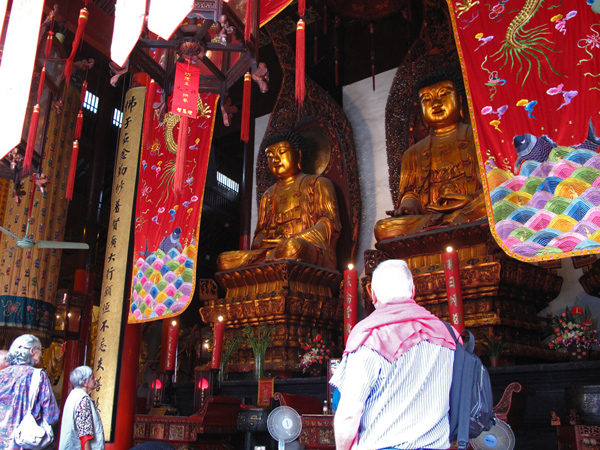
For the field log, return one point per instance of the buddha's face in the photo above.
(440, 104)
(284, 159)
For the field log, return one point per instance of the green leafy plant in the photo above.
(234, 339)
(493, 346)
(260, 338)
(574, 328)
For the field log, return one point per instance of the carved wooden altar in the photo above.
(211, 428)
(501, 296)
(294, 296)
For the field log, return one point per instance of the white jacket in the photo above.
(69, 440)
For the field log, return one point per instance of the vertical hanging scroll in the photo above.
(114, 288)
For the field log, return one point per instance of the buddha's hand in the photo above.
(450, 202)
(408, 207)
(270, 242)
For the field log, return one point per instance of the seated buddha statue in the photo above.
(298, 216)
(439, 179)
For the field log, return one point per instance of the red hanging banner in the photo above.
(167, 221)
(185, 92)
(531, 71)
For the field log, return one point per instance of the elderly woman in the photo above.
(24, 354)
(81, 427)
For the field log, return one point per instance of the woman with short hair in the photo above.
(24, 354)
(81, 426)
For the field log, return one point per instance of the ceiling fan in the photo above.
(27, 243)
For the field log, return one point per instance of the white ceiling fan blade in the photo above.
(59, 244)
(5, 231)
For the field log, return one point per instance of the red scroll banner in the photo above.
(453, 291)
(185, 92)
(350, 293)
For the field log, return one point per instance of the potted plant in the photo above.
(493, 346)
(576, 330)
(317, 353)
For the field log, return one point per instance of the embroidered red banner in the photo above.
(185, 91)
(167, 223)
(532, 73)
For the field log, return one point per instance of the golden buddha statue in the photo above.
(297, 217)
(439, 180)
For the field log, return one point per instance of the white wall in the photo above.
(365, 109)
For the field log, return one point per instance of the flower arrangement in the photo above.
(493, 346)
(317, 351)
(574, 328)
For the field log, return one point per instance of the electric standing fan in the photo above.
(499, 437)
(284, 425)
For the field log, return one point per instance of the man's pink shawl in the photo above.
(393, 329)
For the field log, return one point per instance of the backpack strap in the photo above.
(34, 387)
(470, 346)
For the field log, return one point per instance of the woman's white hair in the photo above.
(19, 354)
(80, 376)
(392, 281)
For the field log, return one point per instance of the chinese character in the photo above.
(130, 104)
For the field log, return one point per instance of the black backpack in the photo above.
(471, 400)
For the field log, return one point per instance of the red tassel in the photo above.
(249, 20)
(83, 92)
(41, 85)
(81, 23)
(181, 156)
(300, 87)
(301, 7)
(78, 125)
(33, 127)
(245, 132)
(49, 40)
(72, 170)
(148, 115)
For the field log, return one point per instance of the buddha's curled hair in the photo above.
(451, 73)
(286, 136)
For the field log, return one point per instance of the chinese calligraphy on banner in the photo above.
(167, 223)
(532, 73)
(106, 357)
(185, 92)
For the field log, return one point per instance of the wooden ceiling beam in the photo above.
(99, 30)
